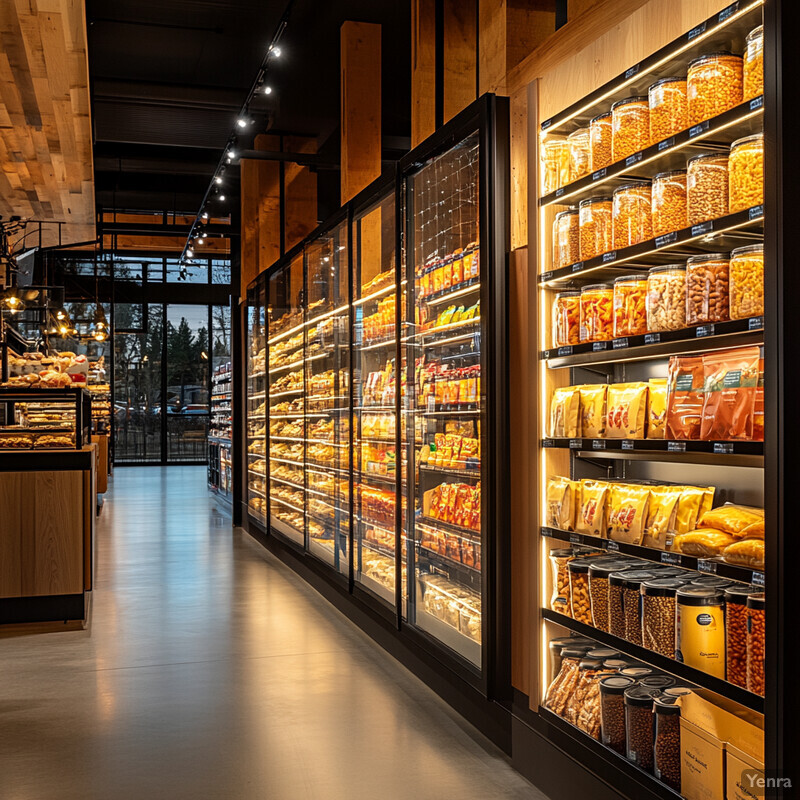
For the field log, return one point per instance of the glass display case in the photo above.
(220, 474)
(44, 419)
(256, 405)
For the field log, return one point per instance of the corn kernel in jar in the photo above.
(632, 214)
(754, 63)
(579, 153)
(746, 173)
(747, 282)
(666, 298)
(600, 138)
(707, 289)
(630, 305)
(669, 202)
(597, 313)
(714, 84)
(566, 238)
(595, 226)
(630, 125)
(567, 319)
(668, 108)
(555, 163)
(706, 188)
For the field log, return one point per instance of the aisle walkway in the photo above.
(211, 671)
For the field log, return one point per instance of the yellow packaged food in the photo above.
(591, 516)
(692, 504)
(656, 407)
(564, 413)
(562, 497)
(754, 531)
(703, 542)
(593, 411)
(732, 518)
(661, 515)
(745, 553)
(627, 512)
(626, 409)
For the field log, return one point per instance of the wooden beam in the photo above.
(249, 216)
(460, 56)
(268, 204)
(361, 106)
(300, 193)
(423, 70)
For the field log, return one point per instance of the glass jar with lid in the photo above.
(600, 138)
(666, 298)
(747, 282)
(754, 63)
(567, 318)
(714, 84)
(579, 590)
(579, 153)
(746, 173)
(559, 562)
(755, 643)
(667, 748)
(555, 163)
(706, 188)
(632, 213)
(736, 633)
(668, 108)
(566, 238)
(631, 589)
(658, 614)
(597, 313)
(630, 125)
(669, 202)
(595, 226)
(612, 711)
(630, 305)
(707, 279)
(598, 589)
(639, 728)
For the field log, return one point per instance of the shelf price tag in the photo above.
(695, 32)
(631, 71)
(577, 266)
(755, 323)
(671, 558)
(598, 444)
(696, 130)
(758, 579)
(676, 447)
(598, 347)
(566, 350)
(723, 447)
(704, 330)
(545, 276)
(727, 12)
(548, 443)
(703, 227)
(613, 546)
(635, 158)
(652, 338)
(620, 343)
(559, 192)
(627, 444)
(547, 532)
(547, 123)
(756, 212)
(666, 144)
(600, 173)
(611, 255)
(757, 102)
(575, 444)
(667, 238)
(575, 538)
(705, 565)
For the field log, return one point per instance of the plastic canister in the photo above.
(700, 629)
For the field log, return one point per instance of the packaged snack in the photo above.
(732, 518)
(754, 531)
(729, 394)
(627, 406)
(758, 409)
(661, 515)
(656, 407)
(703, 542)
(564, 410)
(692, 504)
(591, 516)
(746, 553)
(593, 411)
(562, 496)
(627, 512)
(684, 397)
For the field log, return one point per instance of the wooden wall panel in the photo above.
(248, 170)
(423, 70)
(300, 192)
(519, 168)
(460, 56)
(16, 525)
(268, 207)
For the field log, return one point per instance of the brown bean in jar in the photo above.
(616, 608)
(668, 108)
(669, 202)
(714, 84)
(707, 279)
(631, 603)
(658, 615)
(632, 212)
(595, 216)
(747, 282)
(639, 727)
(666, 298)
(630, 305)
(612, 711)
(746, 173)
(566, 239)
(667, 748)
(600, 138)
(755, 643)
(566, 319)
(736, 633)
(579, 153)
(597, 313)
(754, 63)
(630, 125)
(598, 590)
(579, 591)
(706, 188)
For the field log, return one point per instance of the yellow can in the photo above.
(700, 629)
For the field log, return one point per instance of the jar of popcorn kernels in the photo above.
(706, 188)
(747, 282)
(668, 108)
(714, 84)
(579, 153)
(555, 164)
(754, 63)
(746, 173)
(600, 138)
(630, 305)
(632, 214)
(630, 125)
(669, 202)
(595, 224)
(566, 238)
(666, 298)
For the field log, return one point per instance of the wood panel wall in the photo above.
(300, 187)
(460, 62)
(423, 70)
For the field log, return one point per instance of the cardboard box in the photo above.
(740, 772)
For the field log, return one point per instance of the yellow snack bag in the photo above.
(593, 411)
(591, 516)
(745, 553)
(688, 510)
(627, 512)
(564, 408)
(703, 542)
(754, 531)
(661, 515)
(562, 497)
(656, 407)
(732, 518)
(626, 409)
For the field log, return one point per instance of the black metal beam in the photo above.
(149, 229)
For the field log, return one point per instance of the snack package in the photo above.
(693, 502)
(703, 542)
(627, 512)
(732, 518)
(758, 408)
(729, 394)
(746, 553)
(656, 407)
(661, 515)
(562, 497)
(627, 407)
(684, 397)
(564, 413)
(591, 516)
(754, 531)
(593, 411)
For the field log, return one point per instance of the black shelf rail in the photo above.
(449, 527)
(670, 665)
(711, 566)
(438, 472)
(461, 572)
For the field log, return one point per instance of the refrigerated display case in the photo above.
(220, 473)
(256, 406)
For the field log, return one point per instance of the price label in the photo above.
(631, 160)
(757, 102)
(577, 266)
(705, 227)
(631, 71)
(600, 173)
(755, 323)
(559, 192)
(671, 558)
(667, 238)
(545, 277)
(575, 444)
(696, 130)
(618, 344)
(652, 338)
(546, 124)
(598, 444)
(575, 538)
(666, 144)
(627, 444)
(676, 447)
(704, 330)
(613, 546)
(758, 579)
(704, 565)
(695, 32)
(548, 443)
(431, 403)
(723, 447)
(566, 350)
(598, 347)
(547, 532)
(727, 12)
(756, 212)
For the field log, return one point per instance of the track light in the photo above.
(241, 122)
(222, 198)
(204, 215)
(275, 51)
(218, 180)
(267, 90)
(190, 252)
(12, 301)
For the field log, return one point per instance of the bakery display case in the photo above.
(44, 419)
(256, 405)
(220, 476)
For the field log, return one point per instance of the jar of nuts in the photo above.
(616, 609)
(566, 238)
(639, 728)
(630, 126)
(597, 310)
(567, 319)
(736, 633)
(632, 213)
(658, 681)
(707, 289)
(558, 645)
(600, 138)
(612, 711)
(559, 600)
(666, 298)
(630, 305)
(755, 643)
(667, 749)
(631, 591)
(754, 63)
(555, 164)
(669, 202)
(658, 614)
(595, 226)
(747, 282)
(714, 84)
(746, 173)
(706, 188)
(579, 590)
(598, 589)
(668, 108)
(579, 153)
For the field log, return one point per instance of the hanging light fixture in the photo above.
(11, 300)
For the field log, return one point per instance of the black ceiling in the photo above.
(169, 77)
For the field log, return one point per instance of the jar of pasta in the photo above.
(707, 289)
(555, 163)
(595, 221)
(666, 298)
(630, 301)
(746, 173)
(566, 238)
(706, 188)
(747, 282)
(579, 153)
(668, 108)
(567, 319)
(714, 84)
(630, 125)
(669, 202)
(632, 214)
(600, 138)
(754, 63)
(597, 303)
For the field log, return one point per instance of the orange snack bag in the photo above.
(729, 394)
(684, 397)
(627, 404)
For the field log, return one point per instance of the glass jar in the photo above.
(754, 64)
(631, 604)
(630, 126)
(598, 590)
(736, 633)
(632, 214)
(668, 108)
(600, 139)
(669, 202)
(616, 608)
(567, 319)
(557, 647)
(667, 748)
(639, 728)
(658, 615)
(747, 282)
(630, 305)
(707, 289)
(555, 163)
(666, 298)
(579, 590)
(700, 629)
(595, 225)
(612, 711)
(755, 644)
(566, 238)
(706, 188)
(559, 600)
(746, 173)
(579, 154)
(597, 308)
(714, 84)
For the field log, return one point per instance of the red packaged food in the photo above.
(729, 394)
(684, 397)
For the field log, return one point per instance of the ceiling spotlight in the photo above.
(190, 252)
(199, 241)
(204, 215)
(267, 90)
(12, 301)
(241, 122)
(231, 154)
(218, 180)
(203, 235)
(222, 198)
(276, 51)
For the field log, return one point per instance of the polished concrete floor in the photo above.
(210, 670)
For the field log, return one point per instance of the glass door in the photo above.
(256, 407)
